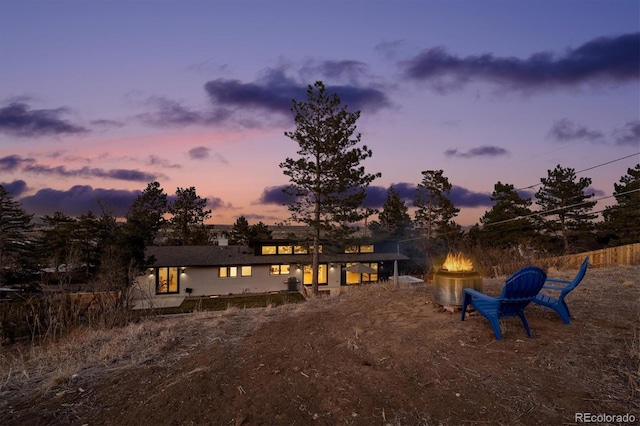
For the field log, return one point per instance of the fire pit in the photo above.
(456, 274)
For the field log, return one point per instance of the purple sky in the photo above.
(99, 98)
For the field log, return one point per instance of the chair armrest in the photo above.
(476, 294)
(553, 287)
(555, 280)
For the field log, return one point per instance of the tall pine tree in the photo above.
(566, 211)
(327, 182)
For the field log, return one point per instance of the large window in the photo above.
(279, 269)
(167, 280)
(269, 250)
(364, 248)
(232, 271)
(356, 278)
(286, 249)
(322, 274)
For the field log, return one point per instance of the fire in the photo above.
(457, 263)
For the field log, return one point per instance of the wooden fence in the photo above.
(614, 256)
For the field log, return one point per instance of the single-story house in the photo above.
(177, 272)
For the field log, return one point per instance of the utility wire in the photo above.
(547, 212)
(584, 170)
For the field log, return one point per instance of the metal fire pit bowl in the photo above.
(450, 285)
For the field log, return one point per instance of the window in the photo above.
(268, 249)
(228, 272)
(300, 250)
(279, 269)
(356, 278)
(365, 248)
(232, 271)
(285, 249)
(167, 280)
(308, 274)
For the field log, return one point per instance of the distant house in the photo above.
(178, 272)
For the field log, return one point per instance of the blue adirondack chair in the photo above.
(557, 303)
(519, 289)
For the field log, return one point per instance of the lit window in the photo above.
(322, 274)
(167, 280)
(268, 249)
(367, 248)
(285, 250)
(356, 278)
(351, 249)
(228, 272)
(300, 250)
(279, 269)
(245, 271)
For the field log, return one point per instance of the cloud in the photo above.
(274, 92)
(462, 197)
(199, 153)
(170, 113)
(79, 200)
(274, 195)
(18, 119)
(629, 134)
(390, 49)
(601, 60)
(349, 70)
(88, 172)
(11, 163)
(377, 195)
(154, 160)
(481, 151)
(565, 130)
(15, 188)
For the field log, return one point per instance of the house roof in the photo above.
(243, 255)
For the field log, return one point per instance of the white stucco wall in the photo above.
(204, 281)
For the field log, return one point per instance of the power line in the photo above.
(587, 169)
(547, 212)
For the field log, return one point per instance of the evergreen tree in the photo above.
(622, 221)
(146, 215)
(328, 183)
(145, 219)
(189, 214)
(56, 241)
(259, 232)
(394, 220)
(509, 222)
(85, 239)
(241, 232)
(564, 205)
(435, 212)
(15, 243)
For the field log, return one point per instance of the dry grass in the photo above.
(369, 331)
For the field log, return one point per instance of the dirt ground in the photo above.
(375, 356)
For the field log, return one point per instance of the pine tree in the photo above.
(189, 214)
(564, 205)
(509, 222)
(394, 219)
(435, 212)
(327, 182)
(15, 244)
(622, 221)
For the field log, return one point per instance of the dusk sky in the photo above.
(99, 98)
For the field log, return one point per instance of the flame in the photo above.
(457, 263)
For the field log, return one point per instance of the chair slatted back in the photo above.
(519, 289)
